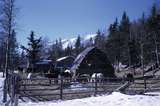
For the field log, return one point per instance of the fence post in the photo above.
(61, 88)
(16, 95)
(5, 91)
(95, 92)
(12, 89)
(145, 83)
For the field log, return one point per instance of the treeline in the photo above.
(133, 43)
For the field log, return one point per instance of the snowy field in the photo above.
(114, 99)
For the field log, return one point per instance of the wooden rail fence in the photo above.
(46, 89)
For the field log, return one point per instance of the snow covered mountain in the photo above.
(84, 40)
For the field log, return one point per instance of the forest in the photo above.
(132, 43)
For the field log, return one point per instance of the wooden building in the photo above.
(92, 60)
(64, 63)
(44, 66)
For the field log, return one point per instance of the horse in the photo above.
(97, 76)
(83, 78)
(67, 75)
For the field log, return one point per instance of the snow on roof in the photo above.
(62, 58)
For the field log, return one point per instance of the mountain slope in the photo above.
(84, 41)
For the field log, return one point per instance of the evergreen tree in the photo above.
(153, 24)
(124, 31)
(33, 50)
(134, 59)
(90, 42)
(56, 50)
(14, 54)
(78, 46)
(60, 49)
(53, 53)
(44, 53)
(23, 59)
(68, 51)
(100, 40)
(113, 43)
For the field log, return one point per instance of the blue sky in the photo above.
(68, 18)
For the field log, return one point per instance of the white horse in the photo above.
(97, 76)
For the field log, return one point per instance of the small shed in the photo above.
(64, 62)
(44, 66)
(92, 60)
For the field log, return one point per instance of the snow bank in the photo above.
(115, 99)
(1, 88)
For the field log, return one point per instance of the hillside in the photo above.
(84, 40)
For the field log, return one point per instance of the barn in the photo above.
(92, 60)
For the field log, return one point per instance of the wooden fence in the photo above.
(46, 89)
(11, 89)
(65, 88)
(144, 84)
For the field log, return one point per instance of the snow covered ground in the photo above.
(114, 99)
(1, 88)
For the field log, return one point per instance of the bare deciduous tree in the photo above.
(8, 24)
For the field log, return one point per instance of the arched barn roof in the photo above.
(80, 58)
(90, 59)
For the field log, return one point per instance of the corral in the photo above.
(48, 89)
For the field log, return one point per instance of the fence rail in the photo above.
(44, 89)
(65, 86)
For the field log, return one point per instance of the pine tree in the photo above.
(78, 46)
(33, 50)
(134, 59)
(44, 53)
(69, 51)
(113, 43)
(60, 49)
(14, 54)
(124, 31)
(23, 59)
(100, 40)
(153, 24)
(56, 50)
